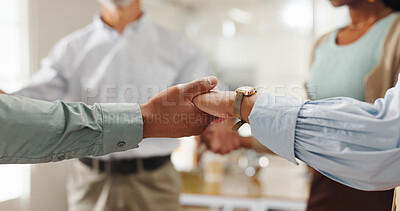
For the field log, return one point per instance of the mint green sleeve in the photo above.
(34, 131)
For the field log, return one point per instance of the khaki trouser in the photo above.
(396, 200)
(142, 191)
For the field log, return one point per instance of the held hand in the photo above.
(172, 113)
(217, 103)
(219, 138)
(222, 104)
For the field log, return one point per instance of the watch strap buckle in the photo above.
(238, 125)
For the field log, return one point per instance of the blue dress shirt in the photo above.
(352, 142)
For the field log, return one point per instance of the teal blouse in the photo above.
(340, 70)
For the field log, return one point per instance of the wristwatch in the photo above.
(241, 92)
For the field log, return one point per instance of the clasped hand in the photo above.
(195, 108)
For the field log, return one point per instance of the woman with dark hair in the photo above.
(361, 61)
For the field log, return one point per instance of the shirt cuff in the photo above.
(273, 122)
(122, 127)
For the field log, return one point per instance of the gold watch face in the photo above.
(246, 90)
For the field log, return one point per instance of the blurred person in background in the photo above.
(361, 61)
(121, 57)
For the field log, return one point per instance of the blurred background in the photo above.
(263, 43)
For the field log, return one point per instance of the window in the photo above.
(14, 181)
(14, 51)
(14, 72)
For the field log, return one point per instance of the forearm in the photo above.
(247, 106)
(148, 129)
(352, 142)
(35, 131)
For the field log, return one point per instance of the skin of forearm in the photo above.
(147, 129)
(247, 106)
(150, 129)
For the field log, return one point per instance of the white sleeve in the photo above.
(195, 65)
(50, 82)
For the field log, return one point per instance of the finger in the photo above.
(208, 121)
(227, 146)
(215, 146)
(236, 143)
(200, 86)
(233, 143)
(208, 139)
(198, 140)
(217, 103)
(219, 120)
(246, 143)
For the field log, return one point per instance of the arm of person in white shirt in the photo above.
(51, 81)
(352, 142)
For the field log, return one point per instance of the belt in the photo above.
(125, 166)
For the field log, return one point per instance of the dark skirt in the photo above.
(328, 195)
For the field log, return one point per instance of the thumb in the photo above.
(200, 86)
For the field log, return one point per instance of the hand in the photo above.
(219, 138)
(172, 113)
(222, 104)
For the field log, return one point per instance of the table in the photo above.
(230, 203)
(280, 186)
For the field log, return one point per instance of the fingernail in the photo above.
(209, 80)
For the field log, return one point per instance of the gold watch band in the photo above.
(240, 93)
(238, 105)
(238, 125)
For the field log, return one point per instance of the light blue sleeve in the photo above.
(352, 142)
(34, 131)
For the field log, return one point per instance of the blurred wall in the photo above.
(50, 20)
(263, 43)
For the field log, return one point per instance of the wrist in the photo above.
(231, 106)
(144, 108)
(247, 106)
